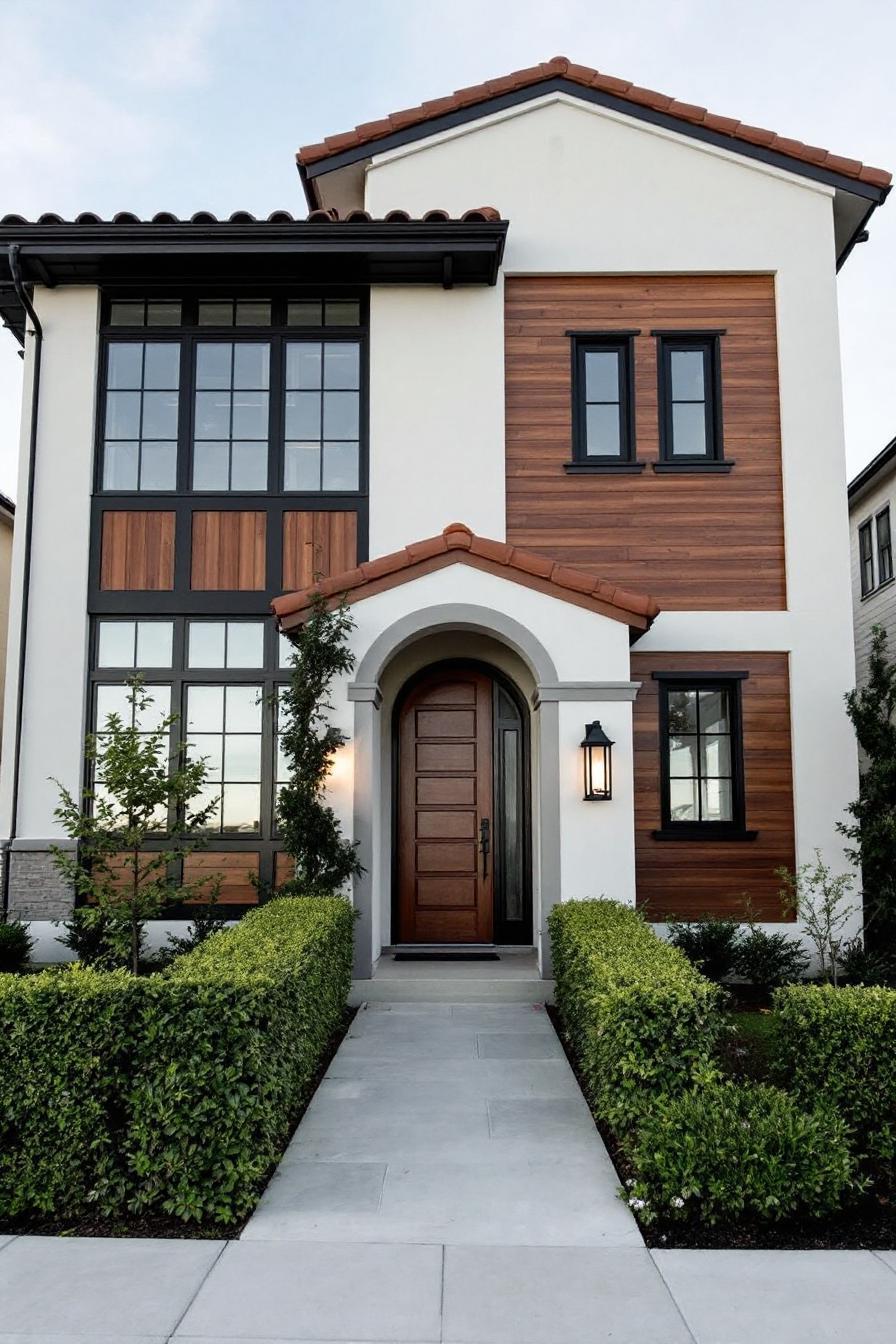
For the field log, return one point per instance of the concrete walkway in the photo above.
(446, 1184)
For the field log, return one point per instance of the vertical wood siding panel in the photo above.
(137, 550)
(318, 543)
(228, 551)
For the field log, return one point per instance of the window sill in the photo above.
(703, 834)
(604, 468)
(680, 468)
(872, 592)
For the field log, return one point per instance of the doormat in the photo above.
(445, 956)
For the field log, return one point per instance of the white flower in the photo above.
(630, 1182)
(637, 1204)
(677, 1202)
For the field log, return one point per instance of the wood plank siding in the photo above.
(234, 868)
(317, 544)
(137, 550)
(692, 541)
(692, 878)
(228, 551)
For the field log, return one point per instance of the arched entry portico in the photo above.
(398, 653)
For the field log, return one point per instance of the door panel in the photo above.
(445, 886)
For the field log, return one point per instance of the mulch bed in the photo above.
(869, 1224)
(161, 1225)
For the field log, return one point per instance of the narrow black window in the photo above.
(690, 398)
(231, 415)
(224, 727)
(322, 415)
(701, 757)
(866, 558)
(141, 413)
(884, 546)
(603, 418)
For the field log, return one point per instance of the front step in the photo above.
(512, 979)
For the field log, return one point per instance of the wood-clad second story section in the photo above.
(643, 439)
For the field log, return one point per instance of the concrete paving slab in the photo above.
(556, 1295)
(749, 1297)
(342, 1188)
(101, 1287)
(452, 1045)
(4, 1241)
(518, 1045)
(487, 1077)
(888, 1258)
(81, 1339)
(319, 1291)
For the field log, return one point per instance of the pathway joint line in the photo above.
(672, 1298)
(200, 1285)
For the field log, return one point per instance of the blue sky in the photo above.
(200, 104)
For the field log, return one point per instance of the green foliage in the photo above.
(841, 1044)
(710, 943)
(205, 919)
(15, 945)
(728, 1151)
(641, 1019)
(872, 828)
(768, 960)
(820, 900)
(140, 791)
(311, 832)
(171, 1093)
(864, 965)
(98, 939)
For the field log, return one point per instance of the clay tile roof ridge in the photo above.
(560, 66)
(459, 537)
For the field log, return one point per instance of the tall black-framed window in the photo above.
(866, 558)
(701, 756)
(222, 677)
(603, 402)
(217, 397)
(690, 400)
(884, 546)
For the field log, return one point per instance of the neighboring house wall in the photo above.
(879, 606)
(7, 520)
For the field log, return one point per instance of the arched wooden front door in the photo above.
(457, 769)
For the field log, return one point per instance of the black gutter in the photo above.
(13, 255)
(867, 474)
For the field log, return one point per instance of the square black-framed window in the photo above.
(701, 756)
(603, 405)
(690, 397)
(884, 546)
(866, 558)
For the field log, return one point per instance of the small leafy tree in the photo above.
(820, 900)
(140, 791)
(312, 835)
(872, 828)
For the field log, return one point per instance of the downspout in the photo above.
(13, 253)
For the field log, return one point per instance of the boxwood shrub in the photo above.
(841, 1043)
(730, 1151)
(641, 1019)
(172, 1093)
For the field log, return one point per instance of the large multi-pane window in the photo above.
(322, 415)
(141, 415)
(701, 755)
(233, 395)
(221, 678)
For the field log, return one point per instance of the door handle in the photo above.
(484, 843)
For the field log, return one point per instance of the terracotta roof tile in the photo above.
(526, 567)
(371, 131)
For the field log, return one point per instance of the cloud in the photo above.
(171, 43)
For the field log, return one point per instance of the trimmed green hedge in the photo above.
(641, 1019)
(172, 1093)
(841, 1044)
(727, 1151)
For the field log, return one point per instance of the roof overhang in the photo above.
(260, 253)
(855, 199)
(867, 478)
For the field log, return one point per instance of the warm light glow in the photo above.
(341, 765)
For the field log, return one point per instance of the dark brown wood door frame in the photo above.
(445, 890)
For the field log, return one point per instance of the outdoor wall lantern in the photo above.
(598, 752)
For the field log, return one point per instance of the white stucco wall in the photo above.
(591, 191)
(56, 652)
(436, 413)
(879, 606)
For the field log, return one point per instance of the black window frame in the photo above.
(583, 343)
(736, 828)
(884, 547)
(866, 558)
(266, 842)
(709, 344)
